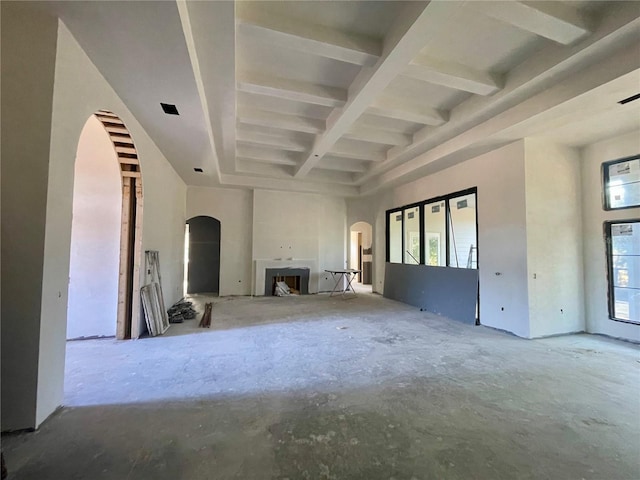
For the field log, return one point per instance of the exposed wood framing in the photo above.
(128, 316)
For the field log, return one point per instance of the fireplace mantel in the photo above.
(260, 265)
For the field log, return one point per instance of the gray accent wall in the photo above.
(447, 291)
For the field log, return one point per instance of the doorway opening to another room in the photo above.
(202, 255)
(106, 233)
(361, 254)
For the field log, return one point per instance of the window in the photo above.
(621, 183)
(439, 232)
(394, 223)
(412, 235)
(462, 231)
(435, 233)
(623, 258)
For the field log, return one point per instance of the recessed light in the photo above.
(169, 108)
(196, 169)
(630, 99)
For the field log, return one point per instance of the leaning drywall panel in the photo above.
(79, 91)
(554, 238)
(233, 207)
(593, 217)
(28, 68)
(502, 257)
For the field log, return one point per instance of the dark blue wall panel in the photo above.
(447, 291)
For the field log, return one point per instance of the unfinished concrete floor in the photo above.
(324, 388)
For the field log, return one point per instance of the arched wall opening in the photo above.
(361, 251)
(106, 232)
(202, 265)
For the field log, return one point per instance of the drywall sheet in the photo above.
(451, 292)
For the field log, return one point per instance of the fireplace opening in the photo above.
(293, 282)
(296, 279)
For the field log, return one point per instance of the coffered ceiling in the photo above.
(350, 97)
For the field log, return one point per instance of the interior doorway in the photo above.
(361, 252)
(202, 240)
(106, 233)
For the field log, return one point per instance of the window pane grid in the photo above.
(622, 183)
(623, 257)
(437, 232)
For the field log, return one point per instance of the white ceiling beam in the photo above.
(342, 164)
(290, 184)
(253, 167)
(311, 39)
(411, 31)
(496, 129)
(278, 161)
(267, 155)
(214, 72)
(272, 141)
(405, 109)
(333, 176)
(452, 75)
(553, 20)
(340, 151)
(617, 27)
(373, 135)
(295, 90)
(282, 121)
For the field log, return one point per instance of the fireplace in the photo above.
(295, 278)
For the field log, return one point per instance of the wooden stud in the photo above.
(123, 280)
(137, 256)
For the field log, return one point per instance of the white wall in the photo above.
(234, 209)
(554, 238)
(28, 65)
(593, 217)
(79, 91)
(95, 236)
(500, 178)
(300, 226)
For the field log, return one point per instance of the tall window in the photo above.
(438, 232)
(623, 258)
(435, 235)
(621, 183)
(412, 235)
(394, 223)
(462, 231)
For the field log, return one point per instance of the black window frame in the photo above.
(421, 205)
(610, 275)
(605, 182)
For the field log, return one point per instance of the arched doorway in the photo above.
(203, 265)
(361, 251)
(106, 232)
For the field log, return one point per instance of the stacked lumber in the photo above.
(205, 322)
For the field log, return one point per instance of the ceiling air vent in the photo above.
(197, 169)
(630, 99)
(169, 109)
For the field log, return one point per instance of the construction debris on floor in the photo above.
(205, 322)
(181, 311)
